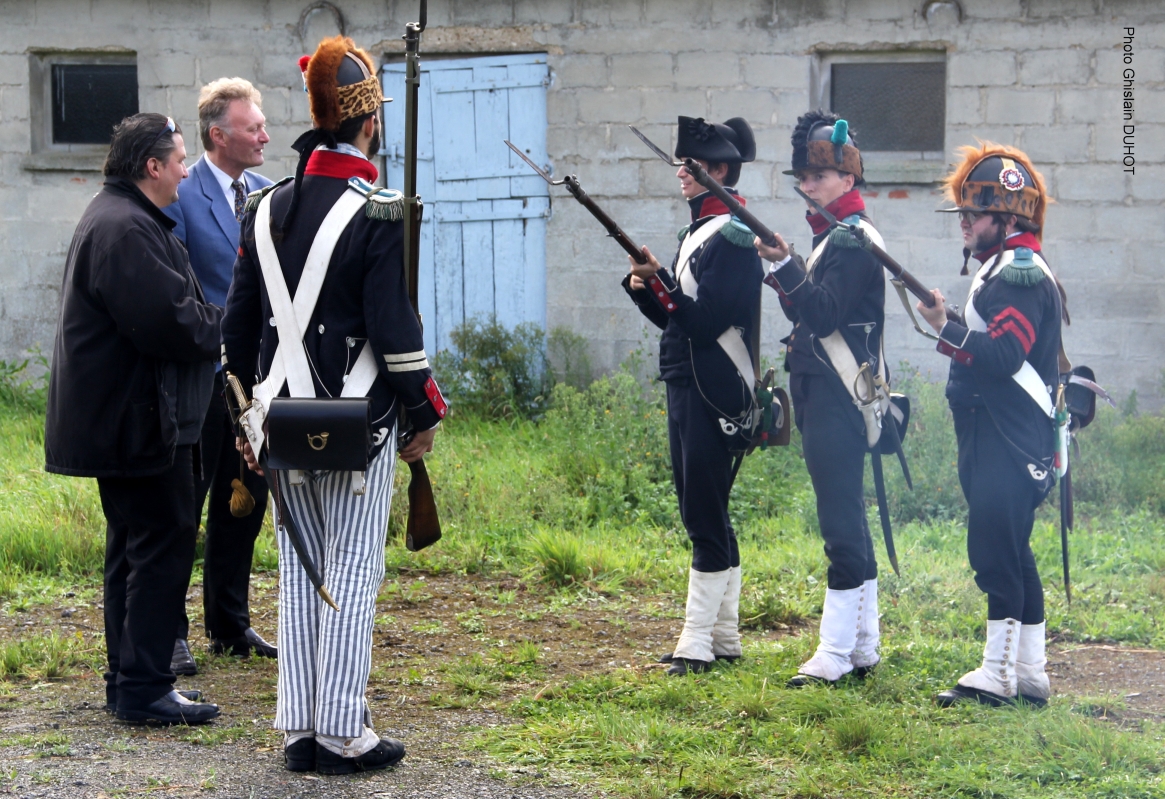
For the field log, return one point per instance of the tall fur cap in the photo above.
(973, 155)
(320, 79)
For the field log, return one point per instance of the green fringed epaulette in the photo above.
(841, 237)
(256, 197)
(1023, 270)
(737, 233)
(386, 205)
(683, 234)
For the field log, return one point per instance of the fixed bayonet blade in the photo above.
(830, 218)
(667, 158)
(533, 165)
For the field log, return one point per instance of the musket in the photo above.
(284, 520)
(423, 526)
(576, 190)
(1066, 509)
(701, 176)
(896, 269)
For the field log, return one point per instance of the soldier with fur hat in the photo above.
(708, 305)
(362, 331)
(836, 302)
(1005, 361)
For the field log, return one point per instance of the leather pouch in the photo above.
(330, 433)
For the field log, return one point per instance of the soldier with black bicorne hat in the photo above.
(708, 307)
(836, 302)
(1006, 359)
(361, 338)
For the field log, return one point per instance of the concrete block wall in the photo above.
(1043, 75)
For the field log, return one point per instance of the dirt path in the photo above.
(449, 652)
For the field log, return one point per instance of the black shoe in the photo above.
(243, 645)
(385, 754)
(170, 709)
(193, 696)
(301, 755)
(722, 658)
(1034, 701)
(961, 693)
(862, 672)
(682, 666)
(182, 662)
(802, 680)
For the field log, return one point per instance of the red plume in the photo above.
(303, 60)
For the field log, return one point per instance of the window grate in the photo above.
(90, 99)
(892, 106)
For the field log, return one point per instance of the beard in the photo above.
(374, 143)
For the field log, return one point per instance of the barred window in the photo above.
(88, 100)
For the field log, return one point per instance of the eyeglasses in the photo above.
(971, 216)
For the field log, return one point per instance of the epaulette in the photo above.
(841, 237)
(256, 197)
(387, 205)
(1023, 270)
(683, 234)
(737, 233)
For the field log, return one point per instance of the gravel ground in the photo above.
(57, 741)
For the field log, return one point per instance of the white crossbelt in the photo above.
(1027, 377)
(841, 357)
(290, 365)
(731, 340)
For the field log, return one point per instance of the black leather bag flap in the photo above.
(319, 433)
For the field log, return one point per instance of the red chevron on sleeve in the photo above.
(1010, 320)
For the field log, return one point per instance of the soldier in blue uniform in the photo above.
(836, 303)
(1005, 363)
(362, 318)
(708, 306)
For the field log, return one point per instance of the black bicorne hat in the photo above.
(729, 143)
(822, 140)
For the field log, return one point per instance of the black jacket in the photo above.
(363, 297)
(133, 361)
(729, 276)
(846, 291)
(1023, 323)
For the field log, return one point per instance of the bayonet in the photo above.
(701, 176)
(575, 188)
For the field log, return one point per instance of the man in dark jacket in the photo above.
(132, 370)
(1005, 362)
(708, 307)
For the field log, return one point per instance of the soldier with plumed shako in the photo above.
(1006, 359)
(330, 231)
(836, 301)
(708, 306)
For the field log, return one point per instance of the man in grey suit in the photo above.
(210, 205)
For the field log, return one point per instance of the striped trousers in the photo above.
(325, 656)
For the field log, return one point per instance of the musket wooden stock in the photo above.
(613, 230)
(909, 281)
(739, 211)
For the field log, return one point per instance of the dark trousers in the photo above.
(230, 541)
(149, 552)
(702, 469)
(833, 441)
(1002, 499)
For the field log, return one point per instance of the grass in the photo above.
(578, 504)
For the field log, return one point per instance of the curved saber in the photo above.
(284, 520)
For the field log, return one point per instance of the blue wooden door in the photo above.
(483, 239)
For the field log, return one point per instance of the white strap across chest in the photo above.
(290, 364)
(1027, 377)
(841, 357)
(731, 340)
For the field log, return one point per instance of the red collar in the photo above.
(330, 164)
(1022, 240)
(847, 204)
(708, 204)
